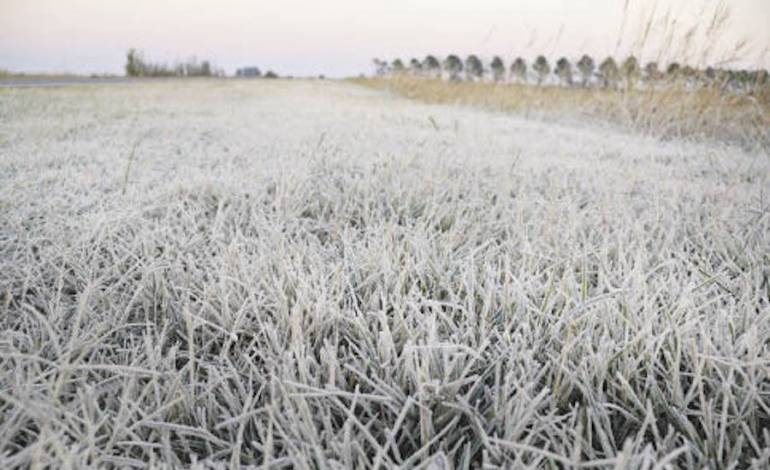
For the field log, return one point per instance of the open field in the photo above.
(315, 274)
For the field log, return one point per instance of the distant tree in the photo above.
(688, 73)
(431, 65)
(205, 70)
(498, 68)
(397, 66)
(709, 76)
(754, 81)
(134, 63)
(136, 66)
(519, 70)
(248, 72)
(189, 68)
(722, 78)
(673, 71)
(380, 67)
(474, 69)
(652, 72)
(745, 79)
(608, 71)
(761, 79)
(415, 66)
(731, 79)
(453, 66)
(586, 68)
(541, 68)
(630, 71)
(563, 70)
(270, 74)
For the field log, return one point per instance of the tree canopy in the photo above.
(542, 68)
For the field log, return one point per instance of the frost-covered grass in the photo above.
(315, 275)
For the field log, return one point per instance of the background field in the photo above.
(310, 274)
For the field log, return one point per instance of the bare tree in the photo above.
(380, 67)
(415, 66)
(431, 65)
(397, 66)
(498, 68)
(673, 71)
(608, 71)
(630, 71)
(586, 68)
(652, 72)
(688, 73)
(519, 70)
(563, 70)
(761, 79)
(474, 69)
(453, 66)
(541, 68)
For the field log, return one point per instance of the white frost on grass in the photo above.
(314, 275)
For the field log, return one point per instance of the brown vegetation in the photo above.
(673, 110)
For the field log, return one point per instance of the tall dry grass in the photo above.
(669, 111)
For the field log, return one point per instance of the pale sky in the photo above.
(340, 37)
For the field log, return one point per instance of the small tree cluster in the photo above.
(138, 66)
(248, 72)
(255, 72)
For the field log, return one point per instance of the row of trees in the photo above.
(585, 72)
(254, 72)
(138, 66)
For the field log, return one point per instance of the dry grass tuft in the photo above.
(670, 111)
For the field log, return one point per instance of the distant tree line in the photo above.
(254, 72)
(585, 72)
(138, 66)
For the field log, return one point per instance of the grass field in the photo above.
(316, 274)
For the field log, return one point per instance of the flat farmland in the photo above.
(315, 274)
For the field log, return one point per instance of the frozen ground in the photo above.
(316, 275)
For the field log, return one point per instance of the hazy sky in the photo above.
(340, 37)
